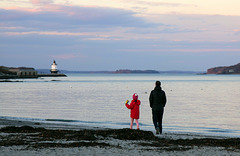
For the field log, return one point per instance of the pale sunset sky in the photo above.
(93, 35)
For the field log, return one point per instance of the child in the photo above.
(134, 106)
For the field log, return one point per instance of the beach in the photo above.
(35, 138)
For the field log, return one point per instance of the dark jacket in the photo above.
(157, 99)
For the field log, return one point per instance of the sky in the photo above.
(96, 35)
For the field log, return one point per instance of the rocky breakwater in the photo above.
(234, 69)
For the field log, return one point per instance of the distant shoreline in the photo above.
(7, 78)
(126, 71)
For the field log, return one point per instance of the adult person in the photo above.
(157, 100)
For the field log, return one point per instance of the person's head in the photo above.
(135, 96)
(158, 83)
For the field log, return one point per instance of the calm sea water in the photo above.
(203, 104)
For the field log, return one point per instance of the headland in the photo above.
(234, 69)
(24, 72)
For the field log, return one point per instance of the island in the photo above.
(127, 71)
(234, 69)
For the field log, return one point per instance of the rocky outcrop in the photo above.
(235, 69)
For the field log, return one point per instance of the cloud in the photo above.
(163, 4)
(99, 23)
(69, 18)
(92, 23)
(98, 38)
(54, 33)
(190, 50)
(41, 2)
(67, 56)
(236, 32)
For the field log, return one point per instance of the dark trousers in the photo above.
(157, 119)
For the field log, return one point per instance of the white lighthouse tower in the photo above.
(54, 69)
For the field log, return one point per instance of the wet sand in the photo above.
(31, 138)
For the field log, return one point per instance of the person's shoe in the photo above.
(157, 130)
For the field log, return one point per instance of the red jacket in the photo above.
(134, 106)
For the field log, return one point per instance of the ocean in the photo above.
(196, 104)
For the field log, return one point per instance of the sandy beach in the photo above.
(33, 138)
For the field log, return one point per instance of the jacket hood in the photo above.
(157, 88)
(135, 96)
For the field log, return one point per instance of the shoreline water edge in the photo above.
(37, 138)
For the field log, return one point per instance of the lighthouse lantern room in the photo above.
(54, 69)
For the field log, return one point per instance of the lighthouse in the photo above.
(54, 69)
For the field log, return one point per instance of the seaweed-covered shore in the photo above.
(119, 141)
